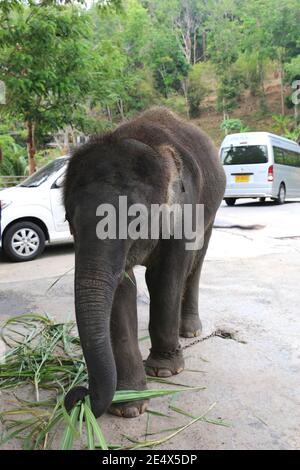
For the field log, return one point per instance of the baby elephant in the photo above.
(156, 161)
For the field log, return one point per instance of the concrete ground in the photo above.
(249, 352)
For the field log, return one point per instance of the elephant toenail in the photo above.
(143, 408)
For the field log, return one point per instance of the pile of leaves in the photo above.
(45, 358)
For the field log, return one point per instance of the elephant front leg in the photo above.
(124, 331)
(165, 283)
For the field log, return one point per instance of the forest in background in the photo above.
(71, 69)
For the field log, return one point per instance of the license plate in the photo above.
(242, 178)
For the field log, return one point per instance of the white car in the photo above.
(32, 213)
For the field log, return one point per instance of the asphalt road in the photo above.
(249, 352)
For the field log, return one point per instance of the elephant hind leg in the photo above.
(124, 332)
(190, 323)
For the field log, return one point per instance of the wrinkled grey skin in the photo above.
(155, 158)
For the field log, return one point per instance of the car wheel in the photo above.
(281, 195)
(23, 241)
(262, 199)
(230, 201)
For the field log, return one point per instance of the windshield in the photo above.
(43, 173)
(247, 154)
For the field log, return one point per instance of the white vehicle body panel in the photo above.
(43, 203)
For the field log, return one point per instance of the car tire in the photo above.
(23, 241)
(281, 195)
(262, 200)
(230, 201)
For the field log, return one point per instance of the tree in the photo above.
(167, 62)
(223, 42)
(121, 80)
(182, 24)
(272, 29)
(233, 125)
(198, 88)
(284, 28)
(186, 18)
(45, 66)
(292, 70)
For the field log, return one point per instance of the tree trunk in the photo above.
(66, 147)
(162, 74)
(109, 115)
(185, 88)
(225, 115)
(296, 106)
(282, 89)
(195, 47)
(74, 136)
(262, 93)
(121, 107)
(204, 45)
(31, 147)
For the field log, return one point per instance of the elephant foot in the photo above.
(164, 364)
(190, 326)
(131, 409)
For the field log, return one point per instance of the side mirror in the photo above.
(59, 182)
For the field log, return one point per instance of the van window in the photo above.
(286, 157)
(247, 154)
(278, 155)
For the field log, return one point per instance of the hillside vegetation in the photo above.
(71, 69)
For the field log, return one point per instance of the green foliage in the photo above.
(43, 54)
(223, 47)
(198, 88)
(176, 103)
(44, 358)
(68, 63)
(167, 62)
(233, 126)
(293, 69)
(293, 134)
(13, 157)
(285, 126)
(229, 90)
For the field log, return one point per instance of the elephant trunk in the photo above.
(95, 284)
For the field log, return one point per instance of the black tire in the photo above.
(230, 201)
(262, 199)
(23, 248)
(281, 195)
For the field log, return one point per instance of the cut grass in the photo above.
(46, 356)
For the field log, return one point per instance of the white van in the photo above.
(32, 213)
(260, 165)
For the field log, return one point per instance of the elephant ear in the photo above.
(174, 164)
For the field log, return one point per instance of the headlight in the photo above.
(4, 204)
